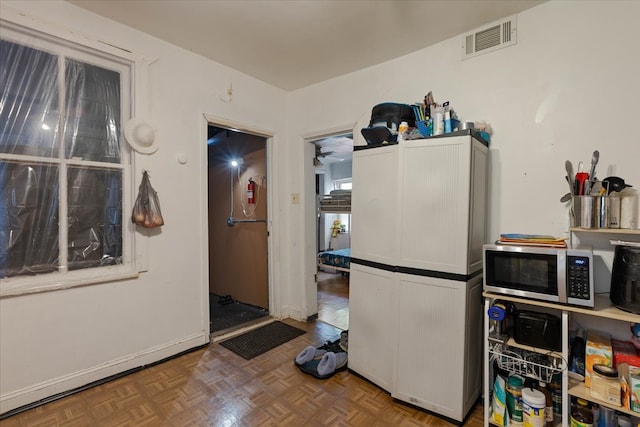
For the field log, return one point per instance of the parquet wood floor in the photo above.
(333, 299)
(212, 386)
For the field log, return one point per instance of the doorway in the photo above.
(238, 229)
(332, 163)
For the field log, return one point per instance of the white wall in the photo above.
(568, 87)
(341, 170)
(52, 342)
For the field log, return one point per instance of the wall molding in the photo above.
(34, 393)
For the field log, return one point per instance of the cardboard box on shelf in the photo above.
(598, 351)
(606, 388)
(634, 377)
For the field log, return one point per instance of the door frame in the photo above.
(310, 264)
(272, 240)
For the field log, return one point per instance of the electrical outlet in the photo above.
(295, 198)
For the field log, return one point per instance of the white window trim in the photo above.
(18, 27)
(338, 182)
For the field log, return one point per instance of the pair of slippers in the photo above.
(320, 363)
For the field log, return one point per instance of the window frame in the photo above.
(128, 66)
(338, 183)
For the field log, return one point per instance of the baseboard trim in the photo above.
(47, 391)
(296, 314)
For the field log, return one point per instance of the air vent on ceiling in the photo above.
(489, 38)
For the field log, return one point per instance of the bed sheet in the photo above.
(340, 258)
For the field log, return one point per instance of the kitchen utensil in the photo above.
(583, 208)
(581, 179)
(566, 198)
(594, 161)
(570, 176)
(601, 212)
(614, 183)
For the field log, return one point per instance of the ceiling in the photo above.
(293, 44)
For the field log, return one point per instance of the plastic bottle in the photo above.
(607, 417)
(403, 129)
(447, 121)
(548, 408)
(438, 120)
(556, 391)
(577, 354)
(514, 398)
(581, 415)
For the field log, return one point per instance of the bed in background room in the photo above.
(338, 259)
(338, 256)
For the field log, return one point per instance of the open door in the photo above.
(332, 172)
(238, 232)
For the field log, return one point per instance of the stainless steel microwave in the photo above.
(558, 275)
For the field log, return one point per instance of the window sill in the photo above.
(66, 284)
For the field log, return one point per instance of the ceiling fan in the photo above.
(325, 155)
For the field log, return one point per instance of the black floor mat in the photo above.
(261, 340)
(229, 315)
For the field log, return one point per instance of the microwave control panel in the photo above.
(578, 277)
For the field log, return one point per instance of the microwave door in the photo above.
(532, 274)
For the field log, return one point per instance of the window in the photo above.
(342, 184)
(63, 177)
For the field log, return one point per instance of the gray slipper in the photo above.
(308, 354)
(325, 367)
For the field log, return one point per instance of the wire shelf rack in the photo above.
(541, 367)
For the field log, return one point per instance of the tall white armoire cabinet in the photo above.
(415, 303)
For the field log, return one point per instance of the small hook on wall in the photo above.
(228, 96)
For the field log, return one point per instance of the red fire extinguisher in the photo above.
(251, 187)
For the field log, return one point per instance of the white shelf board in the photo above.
(605, 230)
(578, 389)
(603, 307)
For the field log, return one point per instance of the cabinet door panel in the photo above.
(434, 204)
(374, 205)
(439, 344)
(372, 324)
(442, 204)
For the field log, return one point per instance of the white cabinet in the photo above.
(373, 324)
(406, 336)
(438, 346)
(421, 204)
(415, 303)
(442, 204)
(374, 205)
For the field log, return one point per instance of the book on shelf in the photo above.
(532, 240)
